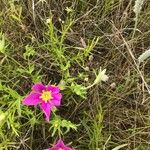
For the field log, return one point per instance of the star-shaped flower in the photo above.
(46, 96)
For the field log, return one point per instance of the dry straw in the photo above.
(137, 9)
(144, 56)
(138, 6)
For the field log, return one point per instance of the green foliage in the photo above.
(10, 117)
(57, 125)
(51, 42)
(29, 52)
(2, 43)
(78, 89)
(55, 43)
(2, 116)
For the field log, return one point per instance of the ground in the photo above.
(66, 43)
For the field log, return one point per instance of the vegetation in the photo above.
(70, 44)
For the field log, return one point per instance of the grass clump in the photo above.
(65, 43)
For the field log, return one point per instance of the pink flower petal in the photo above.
(57, 96)
(38, 87)
(56, 99)
(46, 108)
(60, 144)
(56, 102)
(32, 99)
(53, 88)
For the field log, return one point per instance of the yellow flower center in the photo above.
(46, 96)
(60, 148)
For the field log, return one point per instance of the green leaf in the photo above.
(68, 125)
(57, 125)
(62, 85)
(2, 116)
(31, 68)
(29, 52)
(13, 93)
(79, 90)
(1, 86)
(2, 43)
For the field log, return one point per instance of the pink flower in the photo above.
(60, 146)
(46, 96)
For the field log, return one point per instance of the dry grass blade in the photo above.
(137, 9)
(119, 147)
(135, 63)
(144, 56)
